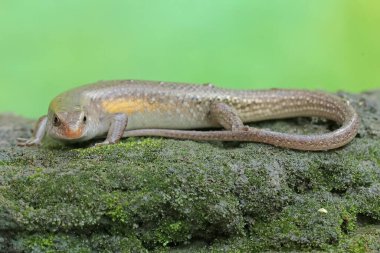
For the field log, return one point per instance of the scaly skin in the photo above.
(147, 108)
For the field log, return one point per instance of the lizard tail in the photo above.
(343, 114)
(326, 141)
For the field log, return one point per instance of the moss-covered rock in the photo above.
(153, 194)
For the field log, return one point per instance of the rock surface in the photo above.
(152, 194)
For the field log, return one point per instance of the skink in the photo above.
(114, 109)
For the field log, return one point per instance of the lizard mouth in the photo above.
(72, 134)
(67, 134)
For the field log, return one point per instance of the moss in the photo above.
(302, 225)
(170, 232)
(80, 244)
(183, 196)
(368, 200)
(365, 239)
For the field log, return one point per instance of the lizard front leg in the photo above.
(38, 134)
(119, 122)
(227, 116)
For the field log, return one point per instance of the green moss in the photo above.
(174, 196)
(147, 146)
(115, 208)
(43, 244)
(80, 244)
(171, 232)
(304, 225)
(368, 200)
(363, 240)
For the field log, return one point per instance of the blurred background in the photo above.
(47, 47)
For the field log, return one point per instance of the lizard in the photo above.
(125, 108)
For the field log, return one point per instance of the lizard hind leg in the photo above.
(227, 117)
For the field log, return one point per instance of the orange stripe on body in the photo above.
(132, 106)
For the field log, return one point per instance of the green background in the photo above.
(49, 46)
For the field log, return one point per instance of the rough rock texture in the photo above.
(183, 196)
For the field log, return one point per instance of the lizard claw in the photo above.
(22, 139)
(103, 143)
(23, 142)
(243, 128)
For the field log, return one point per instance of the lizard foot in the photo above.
(104, 143)
(240, 128)
(23, 142)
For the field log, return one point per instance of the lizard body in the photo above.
(146, 108)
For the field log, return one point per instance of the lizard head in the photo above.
(70, 121)
(67, 125)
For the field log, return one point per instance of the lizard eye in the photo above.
(56, 121)
(84, 119)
